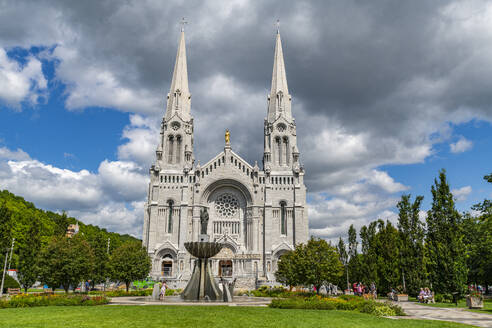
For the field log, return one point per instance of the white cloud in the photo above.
(461, 145)
(462, 193)
(18, 155)
(20, 83)
(142, 138)
(113, 197)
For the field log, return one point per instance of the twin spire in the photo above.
(179, 97)
(279, 98)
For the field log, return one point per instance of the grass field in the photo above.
(196, 316)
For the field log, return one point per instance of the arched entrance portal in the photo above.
(225, 268)
(167, 267)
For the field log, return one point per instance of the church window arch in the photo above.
(285, 149)
(170, 204)
(178, 149)
(280, 97)
(283, 218)
(161, 178)
(170, 149)
(181, 179)
(278, 144)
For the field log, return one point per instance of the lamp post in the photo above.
(4, 269)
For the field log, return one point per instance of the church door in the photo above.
(225, 268)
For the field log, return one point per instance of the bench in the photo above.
(13, 291)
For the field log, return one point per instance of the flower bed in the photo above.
(348, 303)
(31, 300)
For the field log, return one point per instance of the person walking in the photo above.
(163, 291)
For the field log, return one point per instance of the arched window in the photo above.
(278, 144)
(170, 204)
(280, 97)
(178, 149)
(285, 150)
(170, 147)
(283, 219)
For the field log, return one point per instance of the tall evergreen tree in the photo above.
(343, 256)
(353, 254)
(444, 241)
(411, 231)
(478, 239)
(369, 257)
(386, 251)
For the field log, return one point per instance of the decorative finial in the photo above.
(278, 26)
(183, 23)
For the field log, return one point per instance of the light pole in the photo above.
(3, 275)
(11, 251)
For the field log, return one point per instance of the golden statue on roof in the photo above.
(227, 136)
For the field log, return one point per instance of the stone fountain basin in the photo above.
(203, 249)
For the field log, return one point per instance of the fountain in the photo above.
(202, 285)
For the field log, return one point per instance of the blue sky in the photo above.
(381, 104)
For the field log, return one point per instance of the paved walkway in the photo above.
(417, 311)
(176, 300)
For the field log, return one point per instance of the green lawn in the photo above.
(196, 316)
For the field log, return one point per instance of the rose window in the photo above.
(226, 205)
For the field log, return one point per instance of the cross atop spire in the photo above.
(183, 23)
(179, 95)
(278, 26)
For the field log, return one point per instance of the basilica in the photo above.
(258, 213)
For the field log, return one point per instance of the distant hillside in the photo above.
(17, 217)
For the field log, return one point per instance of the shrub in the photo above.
(32, 300)
(9, 283)
(443, 298)
(332, 303)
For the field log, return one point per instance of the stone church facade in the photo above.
(258, 213)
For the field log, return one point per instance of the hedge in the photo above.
(32, 300)
(338, 303)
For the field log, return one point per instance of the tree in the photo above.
(318, 263)
(66, 262)
(354, 260)
(129, 262)
(286, 271)
(444, 241)
(28, 269)
(369, 258)
(101, 264)
(478, 240)
(388, 256)
(411, 234)
(343, 257)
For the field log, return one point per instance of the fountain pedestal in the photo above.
(202, 285)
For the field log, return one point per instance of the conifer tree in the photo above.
(343, 256)
(411, 231)
(353, 254)
(444, 241)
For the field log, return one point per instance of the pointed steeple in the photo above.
(179, 97)
(279, 98)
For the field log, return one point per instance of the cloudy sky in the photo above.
(385, 93)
